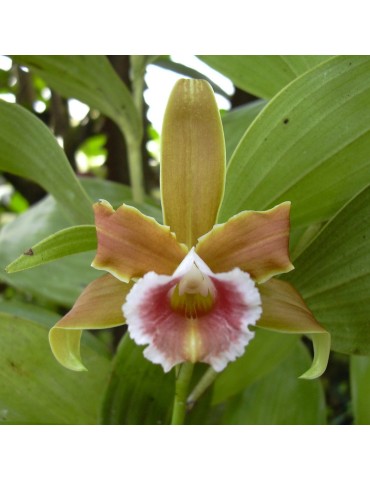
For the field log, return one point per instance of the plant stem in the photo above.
(134, 138)
(182, 386)
(136, 169)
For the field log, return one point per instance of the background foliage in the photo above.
(298, 129)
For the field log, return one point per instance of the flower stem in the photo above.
(182, 386)
(204, 383)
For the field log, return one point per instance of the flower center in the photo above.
(194, 295)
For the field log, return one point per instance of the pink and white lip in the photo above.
(216, 337)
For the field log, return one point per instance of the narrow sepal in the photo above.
(99, 306)
(256, 242)
(284, 310)
(193, 160)
(131, 244)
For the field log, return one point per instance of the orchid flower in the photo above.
(190, 290)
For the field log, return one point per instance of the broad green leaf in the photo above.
(35, 389)
(139, 392)
(66, 242)
(28, 149)
(333, 276)
(262, 75)
(310, 145)
(45, 318)
(90, 79)
(63, 280)
(262, 355)
(360, 389)
(280, 398)
(236, 122)
(29, 311)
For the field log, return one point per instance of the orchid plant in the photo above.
(231, 290)
(191, 290)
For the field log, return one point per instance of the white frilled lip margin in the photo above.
(217, 337)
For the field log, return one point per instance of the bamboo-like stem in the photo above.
(134, 138)
(136, 169)
(182, 387)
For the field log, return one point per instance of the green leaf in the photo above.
(90, 79)
(360, 389)
(94, 146)
(61, 244)
(139, 392)
(63, 280)
(280, 398)
(28, 149)
(236, 122)
(29, 311)
(262, 75)
(333, 276)
(310, 145)
(34, 388)
(262, 355)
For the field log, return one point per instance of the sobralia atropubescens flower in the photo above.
(191, 290)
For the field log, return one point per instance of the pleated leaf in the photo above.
(333, 277)
(28, 149)
(280, 398)
(310, 145)
(236, 122)
(139, 392)
(262, 75)
(90, 79)
(34, 388)
(263, 354)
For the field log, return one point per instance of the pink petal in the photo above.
(214, 336)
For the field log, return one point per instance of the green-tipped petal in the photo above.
(131, 244)
(193, 160)
(284, 310)
(99, 306)
(256, 242)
